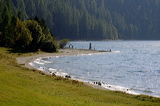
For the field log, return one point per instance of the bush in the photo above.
(63, 43)
(48, 46)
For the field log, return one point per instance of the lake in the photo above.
(132, 66)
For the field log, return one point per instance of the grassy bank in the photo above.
(21, 86)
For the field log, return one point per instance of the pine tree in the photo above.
(5, 25)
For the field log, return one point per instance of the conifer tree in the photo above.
(5, 24)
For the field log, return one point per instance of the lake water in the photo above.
(132, 67)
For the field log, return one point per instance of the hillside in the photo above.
(21, 86)
(96, 19)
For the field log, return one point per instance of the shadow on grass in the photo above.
(16, 50)
(19, 52)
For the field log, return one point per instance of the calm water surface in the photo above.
(133, 66)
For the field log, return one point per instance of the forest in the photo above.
(94, 19)
(23, 36)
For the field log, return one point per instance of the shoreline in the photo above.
(62, 52)
(25, 61)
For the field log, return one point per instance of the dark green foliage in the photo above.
(48, 46)
(43, 25)
(20, 15)
(41, 36)
(96, 19)
(63, 43)
(23, 36)
(36, 33)
(86, 19)
(6, 15)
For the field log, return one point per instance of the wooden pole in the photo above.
(90, 46)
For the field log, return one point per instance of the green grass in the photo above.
(21, 86)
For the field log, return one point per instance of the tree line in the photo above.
(96, 19)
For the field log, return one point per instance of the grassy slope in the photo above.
(21, 86)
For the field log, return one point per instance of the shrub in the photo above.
(63, 43)
(48, 46)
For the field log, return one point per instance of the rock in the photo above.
(67, 76)
(98, 83)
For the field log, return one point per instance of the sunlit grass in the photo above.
(22, 86)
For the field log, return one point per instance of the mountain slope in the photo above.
(96, 19)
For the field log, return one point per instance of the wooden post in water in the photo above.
(90, 46)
